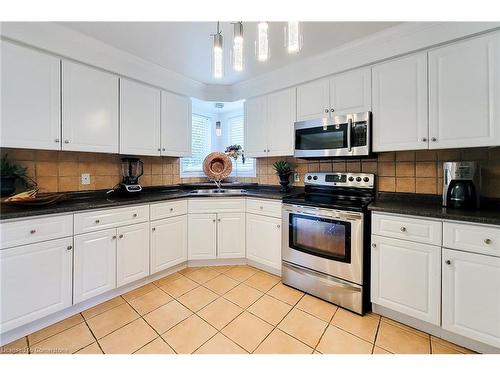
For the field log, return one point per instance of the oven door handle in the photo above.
(347, 217)
(349, 127)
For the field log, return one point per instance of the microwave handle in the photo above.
(349, 127)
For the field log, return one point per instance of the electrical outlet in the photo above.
(85, 178)
(296, 177)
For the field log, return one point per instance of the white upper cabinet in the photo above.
(313, 100)
(269, 124)
(139, 119)
(175, 125)
(464, 93)
(281, 108)
(30, 98)
(350, 92)
(256, 127)
(400, 107)
(89, 109)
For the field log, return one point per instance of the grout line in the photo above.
(324, 331)
(92, 333)
(48, 337)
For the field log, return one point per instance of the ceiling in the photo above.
(185, 47)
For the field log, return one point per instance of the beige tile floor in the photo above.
(222, 310)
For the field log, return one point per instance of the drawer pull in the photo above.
(153, 229)
(278, 226)
(402, 229)
(261, 207)
(374, 245)
(120, 236)
(134, 215)
(97, 221)
(69, 247)
(171, 209)
(213, 220)
(487, 241)
(448, 262)
(33, 231)
(114, 237)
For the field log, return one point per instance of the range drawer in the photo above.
(104, 219)
(215, 205)
(407, 228)
(264, 207)
(480, 239)
(24, 232)
(168, 209)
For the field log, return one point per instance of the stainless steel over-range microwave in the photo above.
(348, 135)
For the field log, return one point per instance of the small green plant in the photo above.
(11, 168)
(283, 167)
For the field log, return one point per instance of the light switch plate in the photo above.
(85, 178)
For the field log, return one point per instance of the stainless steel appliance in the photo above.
(326, 238)
(132, 169)
(461, 184)
(348, 135)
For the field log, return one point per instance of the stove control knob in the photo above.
(366, 179)
(309, 177)
(358, 179)
(315, 178)
(351, 178)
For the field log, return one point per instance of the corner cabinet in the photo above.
(175, 125)
(139, 118)
(269, 123)
(202, 241)
(89, 109)
(399, 93)
(464, 93)
(30, 100)
(168, 242)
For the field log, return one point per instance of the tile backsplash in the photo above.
(402, 171)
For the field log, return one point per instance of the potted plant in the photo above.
(10, 173)
(284, 170)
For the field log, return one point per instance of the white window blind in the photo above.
(201, 146)
(236, 131)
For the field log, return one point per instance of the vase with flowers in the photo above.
(235, 152)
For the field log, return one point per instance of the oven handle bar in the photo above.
(326, 214)
(349, 127)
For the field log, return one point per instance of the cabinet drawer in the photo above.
(97, 220)
(168, 209)
(24, 232)
(214, 205)
(407, 228)
(474, 238)
(264, 207)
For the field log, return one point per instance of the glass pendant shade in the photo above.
(218, 56)
(218, 129)
(262, 41)
(238, 47)
(293, 37)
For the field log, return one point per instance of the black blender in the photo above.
(132, 169)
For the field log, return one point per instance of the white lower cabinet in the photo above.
(168, 242)
(263, 240)
(471, 295)
(94, 264)
(202, 239)
(132, 253)
(406, 277)
(231, 235)
(35, 281)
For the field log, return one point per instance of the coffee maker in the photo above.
(132, 169)
(461, 184)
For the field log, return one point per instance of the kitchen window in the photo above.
(201, 146)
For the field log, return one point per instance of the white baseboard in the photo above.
(274, 271)
(217, 262)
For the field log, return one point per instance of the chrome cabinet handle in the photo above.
(69, 247)
(159, 149)
(153, 229)
(56, 140)
(33, 231)
(114, 237)
(278, 226)
(214, 220)
(97, 221)
(487, 241)
(433, 139)
(424, 139)
(66, 141)
(134, 215)
(402, 229)
(120, 236)
(264, 150)
(268, 150)
(163, 149)
(374, 245)
(261, 207)
(171, 209)
(326, 110)
(218, 220)
(448, 262)
(332, 110)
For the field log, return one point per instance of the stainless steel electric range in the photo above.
(325, 247)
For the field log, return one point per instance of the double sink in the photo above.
(218, 192)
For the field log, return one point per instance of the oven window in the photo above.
(327, 238)
(320, 138)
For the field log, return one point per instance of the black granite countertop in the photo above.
(92, 200)
(431, 206)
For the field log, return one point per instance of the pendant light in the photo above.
(238, 46)
(218, 55)
(262, 41)
(293, 37)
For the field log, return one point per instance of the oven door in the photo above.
(338, 136)
(323, 240)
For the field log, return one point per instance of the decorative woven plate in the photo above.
(217, 166)
(39, 200)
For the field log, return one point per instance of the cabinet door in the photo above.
(263, 240)
(168, 242)
(94, 264)
(281, 107)
(313, 100)
(471, 297)
(202, 236)
(31, 103)
(406, 277)
(464, 91)
(350, 92)
(231, 235)
(35, 281)
(139, 118)
(256, 127)
(89, 109)
(132, 255)
(175, 125)
(400, 104)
